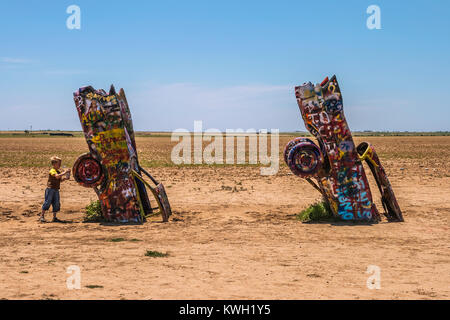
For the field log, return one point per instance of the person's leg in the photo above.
(42, 216)
(47, 202)
(56, 205)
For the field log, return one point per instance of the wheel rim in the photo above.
(305, 159)
(292, 144)
(88, 172)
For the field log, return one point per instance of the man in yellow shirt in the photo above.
(55, 176)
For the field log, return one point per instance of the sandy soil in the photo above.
(233, 235)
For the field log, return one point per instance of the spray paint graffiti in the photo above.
(392, 210)
(336, 164)
(112, 160)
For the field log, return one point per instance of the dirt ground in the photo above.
(233, 234)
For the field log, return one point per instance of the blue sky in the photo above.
(232, 64)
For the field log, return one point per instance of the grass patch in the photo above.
(93, 212)
(93, 286)
(319, 211)
(135, 240)
(155, 254)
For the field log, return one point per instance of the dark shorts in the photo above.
(51, 198)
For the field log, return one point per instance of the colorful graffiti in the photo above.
(336, 164)
(388, 200)
(107, 126)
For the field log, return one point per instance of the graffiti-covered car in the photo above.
(111, 167)
(334, 166)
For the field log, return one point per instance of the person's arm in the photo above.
(66, 175)
(61, 175)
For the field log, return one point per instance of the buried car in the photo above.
(334, 166)
(111, 166)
